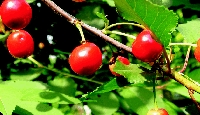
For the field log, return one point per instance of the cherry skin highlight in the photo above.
(16, 14)
(20, 44)
(112, 64)
(145, 48)
(85, 59)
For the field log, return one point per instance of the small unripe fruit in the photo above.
(20, 44)
(112, 64)
(16, 14)
(197, 51)
(159, 111)
(85, 59)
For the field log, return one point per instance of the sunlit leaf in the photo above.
(190, 30)
(36, 108)
(106, 104)
(132, 72)
(63, 85)
(48, 97)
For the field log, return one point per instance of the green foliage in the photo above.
(190, 30)
(107, 103)
(132, 72)
(36, 96)
(47, 85)
(158, 19)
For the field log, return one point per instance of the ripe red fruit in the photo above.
(145, 48)
(112, 64)
(197, 51)
(16, 14)
(20, 44)
(85, 59)
(160, 111)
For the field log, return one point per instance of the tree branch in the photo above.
(93, 30)
(174, 75)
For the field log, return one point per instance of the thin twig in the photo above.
(186, 60)
(191, 93)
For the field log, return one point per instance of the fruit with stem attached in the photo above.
(160, 111)
(112, 64)
(20, 44)
(145, 48)
(85, 59)
(16, 14)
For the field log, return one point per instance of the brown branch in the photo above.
(174, 75)
(93, 30)
(191, 93)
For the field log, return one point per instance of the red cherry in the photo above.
(85, 59)
(20, 44)
(112, 65)
(197, 51)
(198, 42)
(160, 111)
(145, 48)
(16, 14)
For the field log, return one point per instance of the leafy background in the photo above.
(47, 92)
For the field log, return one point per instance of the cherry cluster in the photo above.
(86, 59)
(16, 15)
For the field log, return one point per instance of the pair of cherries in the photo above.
(16, 15)
(87, 58)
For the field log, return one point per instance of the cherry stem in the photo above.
(183, 44)
(186, 60)
(154, 92)
(63, 73)
(119, 33)
(71, 19)
(78, 25)
(125, 23)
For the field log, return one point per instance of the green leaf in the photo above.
(186, 4)
(110, 2)
(159, 2)
(8, 101)
(190, 30)
(48, 97)
(30, 1)
(63, 85)
(175, 87)
(102, 16)
(35, 108)
(28, 74)
(24, 85)
(12, 91)
(3, 37)
(141, 100)
(107, 103)
(132, 72)
(107, 87)
(195, 75)
(157, 18)
(88, 15)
